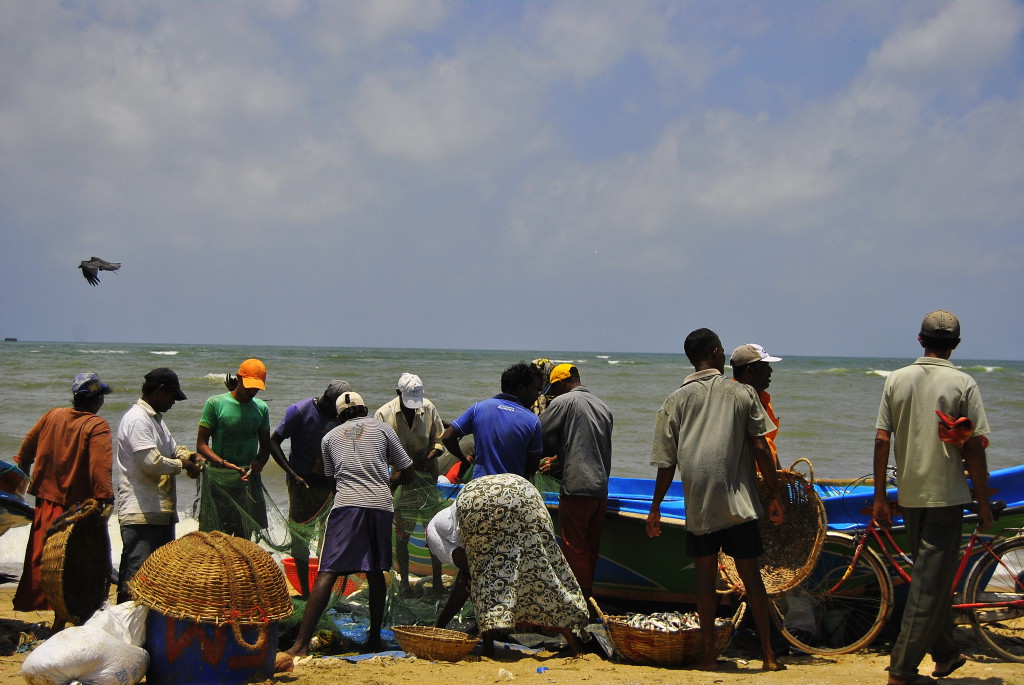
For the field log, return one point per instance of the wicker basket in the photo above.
(214, 578)
(791, 548)
(436, 644)
(76, 555)
(651, 647)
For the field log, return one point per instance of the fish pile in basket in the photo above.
(668, 621)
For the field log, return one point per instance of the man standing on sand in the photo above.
(577, 427)
(419, 429)
(305, 424)
(713, 430)
(358, 453)
(751, 364)
(932, 490)
(69, 454)
(506, 432)
(148, 459)
(234, 439)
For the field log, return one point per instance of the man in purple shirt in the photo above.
(506, 432)
(305, 424)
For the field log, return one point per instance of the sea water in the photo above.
(826, 405)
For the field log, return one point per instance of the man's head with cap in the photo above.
(352, 403)
(563, 378)
(410, 389)
(253, 374)
(87, 391)
(751, 364)
(161, 389)
(940, 331)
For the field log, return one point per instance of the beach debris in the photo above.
(94, 265)
(505, 675)
(668, 621)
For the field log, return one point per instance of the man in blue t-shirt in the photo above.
(506, 432)
(305, 424)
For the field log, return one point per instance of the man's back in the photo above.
(357, 453)
(73, 456)
(577, 426)
(505, 434)
(705, 428)
(930, 472)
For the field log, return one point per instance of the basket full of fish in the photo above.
(665, 638)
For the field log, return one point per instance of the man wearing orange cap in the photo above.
(234, 440)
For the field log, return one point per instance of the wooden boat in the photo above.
(636, 568)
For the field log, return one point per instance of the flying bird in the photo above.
(94, 266)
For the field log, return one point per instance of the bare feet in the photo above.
(774, 666)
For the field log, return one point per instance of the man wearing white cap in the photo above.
(419, 429)
(751, 365)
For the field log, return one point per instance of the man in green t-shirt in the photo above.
(234, 440)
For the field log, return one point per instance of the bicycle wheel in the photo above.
(827, 614)
(999, 577)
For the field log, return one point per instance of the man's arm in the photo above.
(206, 452)
(450, 439)
(661, 485)
(977, 468)
(880, 510)
(262, 457)
(766, 465)
(101, 461)
(278, 454)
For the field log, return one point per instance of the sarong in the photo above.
(518, 574)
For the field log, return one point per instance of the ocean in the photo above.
(826, 405)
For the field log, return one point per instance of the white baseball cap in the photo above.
(750, 353)
(411, 388)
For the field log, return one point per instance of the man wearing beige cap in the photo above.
(234, 440)
(751, 365)
(932, 490)
(419, 429)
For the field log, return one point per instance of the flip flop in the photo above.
(953, 665)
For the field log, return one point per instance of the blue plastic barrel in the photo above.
(186, 653)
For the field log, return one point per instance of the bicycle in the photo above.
(851, 591)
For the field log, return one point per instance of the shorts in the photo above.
(742, 541)
(358, 539)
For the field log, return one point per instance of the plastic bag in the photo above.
(104, 651)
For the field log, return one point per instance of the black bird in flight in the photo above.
(94, 266)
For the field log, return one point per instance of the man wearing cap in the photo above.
(418, 426)
(148, 459)
(506, 432)
(577, 428)
(713, 430)
(932, 490)
(305, 424)
(234, 439)
(358, 453)
(751, 364)
(69, 454)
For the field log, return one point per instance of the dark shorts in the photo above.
(357, 540)
(305, 503)
(742, 541)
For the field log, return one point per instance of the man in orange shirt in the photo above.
(69, 454)
(751, 365)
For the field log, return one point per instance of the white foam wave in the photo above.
(103, 351)
(169, 353)
(878, 372)
(602, 356)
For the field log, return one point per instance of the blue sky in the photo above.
(582, 175)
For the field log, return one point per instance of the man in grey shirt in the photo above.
(577, 428)
(713, 429)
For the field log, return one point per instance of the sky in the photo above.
(578, 175)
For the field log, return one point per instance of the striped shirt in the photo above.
(357, 454)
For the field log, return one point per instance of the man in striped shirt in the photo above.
(366, 458)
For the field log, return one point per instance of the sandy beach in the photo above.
(865, 668)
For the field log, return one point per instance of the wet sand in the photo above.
(865, 668)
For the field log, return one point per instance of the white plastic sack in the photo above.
(104, 651)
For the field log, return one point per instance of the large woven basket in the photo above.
(75, 568)
(214, 578)
(651, 647)
(436, 644)
(791, 548)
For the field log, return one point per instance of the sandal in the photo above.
(951, 666)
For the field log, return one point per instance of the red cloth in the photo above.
(29, 595)
(957, 431)
(581, 520)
